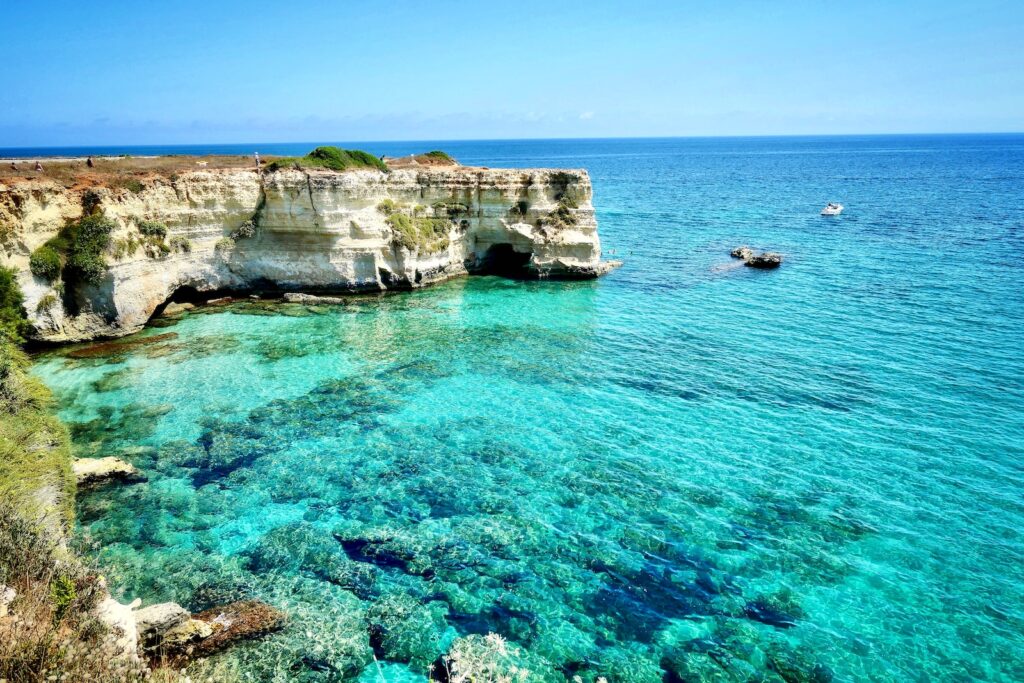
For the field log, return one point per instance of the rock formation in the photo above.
(294, 230)
(765, 260)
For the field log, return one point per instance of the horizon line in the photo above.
(539, 139)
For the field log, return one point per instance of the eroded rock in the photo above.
(744, 253)
(153, 623)
(96, 471)
(300, 298)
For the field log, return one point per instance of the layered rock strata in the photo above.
(297, 230)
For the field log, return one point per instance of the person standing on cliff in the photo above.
(88, 162)
(257, 155)
(39, 167)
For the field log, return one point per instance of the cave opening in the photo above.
(502, 259)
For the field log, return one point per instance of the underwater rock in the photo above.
(153, 623)
(745, 253)
(96, 471)
(778, 610)
(241, 620)
(299, 298)
(183, 634)
(117, 348)
(798, 666)
(765, 261)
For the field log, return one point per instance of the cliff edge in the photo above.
(205, 229)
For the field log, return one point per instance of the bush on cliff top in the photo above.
(334, 158)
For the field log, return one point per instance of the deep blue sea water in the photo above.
(683, 471)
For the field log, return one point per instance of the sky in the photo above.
(223, 71)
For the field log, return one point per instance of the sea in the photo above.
(687, 470)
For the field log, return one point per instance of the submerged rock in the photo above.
(238, 621)
(95, 471)
(299, 298)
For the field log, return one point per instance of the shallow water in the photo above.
(684, 471)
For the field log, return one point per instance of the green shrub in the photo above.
(90, 237)
(438, 154)
(46, 303)
(14, 325)
(224, 244)
(334, 158)
(134, 186)
(152, 229)
(427, 235)
(182, 244)
(45, 263)
(387, 207)
(245, 230)
(62, 594)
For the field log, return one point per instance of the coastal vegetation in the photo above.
(75, 254)
(414, 230)
(333, 158)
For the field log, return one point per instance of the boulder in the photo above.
(299, 298)
(745, 253)
(94, 471)
(220, 301)
(153, 623)
(766, 260)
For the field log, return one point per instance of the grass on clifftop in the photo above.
(334, 158)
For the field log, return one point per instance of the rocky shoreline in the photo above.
(96, 258)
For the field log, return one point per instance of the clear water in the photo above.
(684, 471)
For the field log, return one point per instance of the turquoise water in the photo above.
(684, 471)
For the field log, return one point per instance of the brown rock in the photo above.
(237, 621)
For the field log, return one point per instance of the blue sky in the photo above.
(79, 73)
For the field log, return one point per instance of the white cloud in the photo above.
(586, 116)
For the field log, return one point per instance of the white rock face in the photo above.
(313, 230)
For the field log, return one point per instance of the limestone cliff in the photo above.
(318, 230)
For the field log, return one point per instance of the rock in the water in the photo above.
(176, 308)
(7, 595)
(93, 471)
(188, 632)
(299, 298)
(238, 621)
(768, 259)
(153, 623)
(745, 253)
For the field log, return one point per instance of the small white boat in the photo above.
(832, 209)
